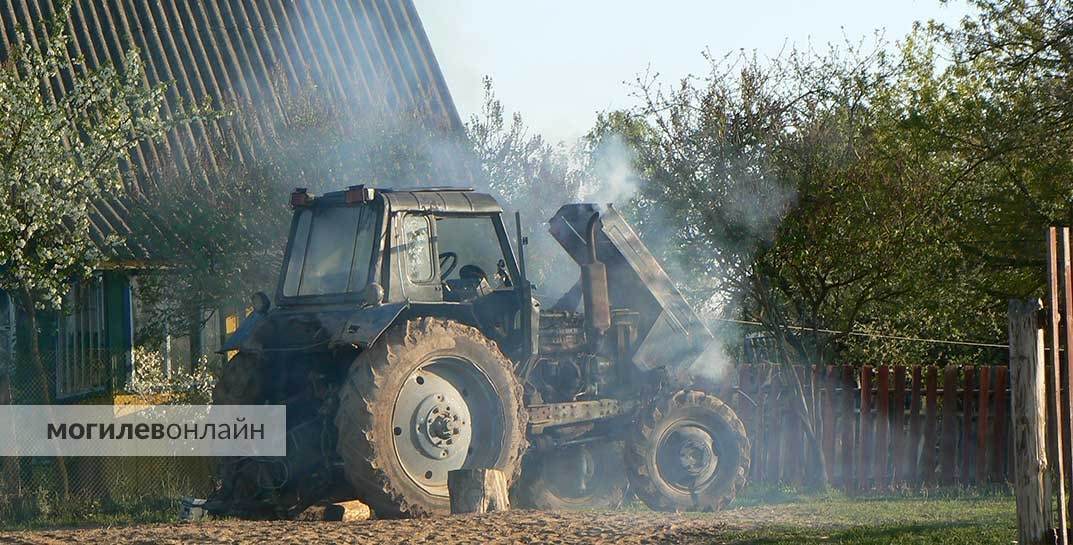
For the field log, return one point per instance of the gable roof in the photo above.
(233, 52)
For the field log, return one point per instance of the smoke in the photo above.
(611, 176)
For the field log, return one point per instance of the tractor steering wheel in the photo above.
(448, 262)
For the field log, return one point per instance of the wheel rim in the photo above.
(447, 416)
(687, 457)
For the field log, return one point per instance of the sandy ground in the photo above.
(515, 527)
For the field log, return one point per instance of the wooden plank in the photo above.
(931, 427)
(949, 440)
(1053, 383)
(847, 437)
(1062, 391)
(747, 413)
(983, 425)
(968, 400)
(867, 429)
(882, 445)
(912, 446)
(772, 427)
(999, 459)
(795, 445)
(829, 418)
(1067, 377)
(897, 426)
(1029, 417)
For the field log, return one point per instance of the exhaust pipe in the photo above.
(594, 288)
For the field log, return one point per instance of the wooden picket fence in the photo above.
(882, 427)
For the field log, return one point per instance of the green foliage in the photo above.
(59, 155)
(866, 189)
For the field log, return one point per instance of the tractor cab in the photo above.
(420, 245)
(357, 260)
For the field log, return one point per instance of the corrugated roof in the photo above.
(232, 52)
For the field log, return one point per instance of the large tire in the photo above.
(239, 382)
(584, 476)
(398, 401)
(691, 454)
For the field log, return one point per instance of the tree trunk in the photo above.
(43, 380)
(12, 477)
(477, 491)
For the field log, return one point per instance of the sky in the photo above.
(559, 62)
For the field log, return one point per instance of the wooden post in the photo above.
(1053, 384)
(1066, 275)
(477, 491)
(1029, 422)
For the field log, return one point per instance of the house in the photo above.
(227, 52)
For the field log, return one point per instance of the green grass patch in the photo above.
(945, 516)
(48, 512)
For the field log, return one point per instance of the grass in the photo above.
(942, 517)
(53, 513)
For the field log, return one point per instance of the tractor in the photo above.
(405, 340)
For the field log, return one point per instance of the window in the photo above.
(418, 250)
(331, 251)
(81, 349)
(475, 242)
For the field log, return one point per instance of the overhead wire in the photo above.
(979, 344)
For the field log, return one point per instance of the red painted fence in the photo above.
(881, 427)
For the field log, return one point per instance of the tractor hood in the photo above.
(670, 333)
(324, 328)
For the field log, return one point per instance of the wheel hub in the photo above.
(695, 456)
(433, 431)
(687, 455)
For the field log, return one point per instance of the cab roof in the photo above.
(431, 199)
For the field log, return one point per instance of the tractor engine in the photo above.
(571, 367)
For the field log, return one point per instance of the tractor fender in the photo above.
(365, 326)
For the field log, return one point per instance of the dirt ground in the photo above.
(515, 527)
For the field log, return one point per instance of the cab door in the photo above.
(418, 271)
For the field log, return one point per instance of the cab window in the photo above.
(331, 251)
(475, 243)
(417, 238)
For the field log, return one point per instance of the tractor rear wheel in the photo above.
(691, 454)
(583, 476)
(239, 382)
(429, 397)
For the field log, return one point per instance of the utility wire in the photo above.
(873, 335)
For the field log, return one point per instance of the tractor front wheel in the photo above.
(691, 454)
